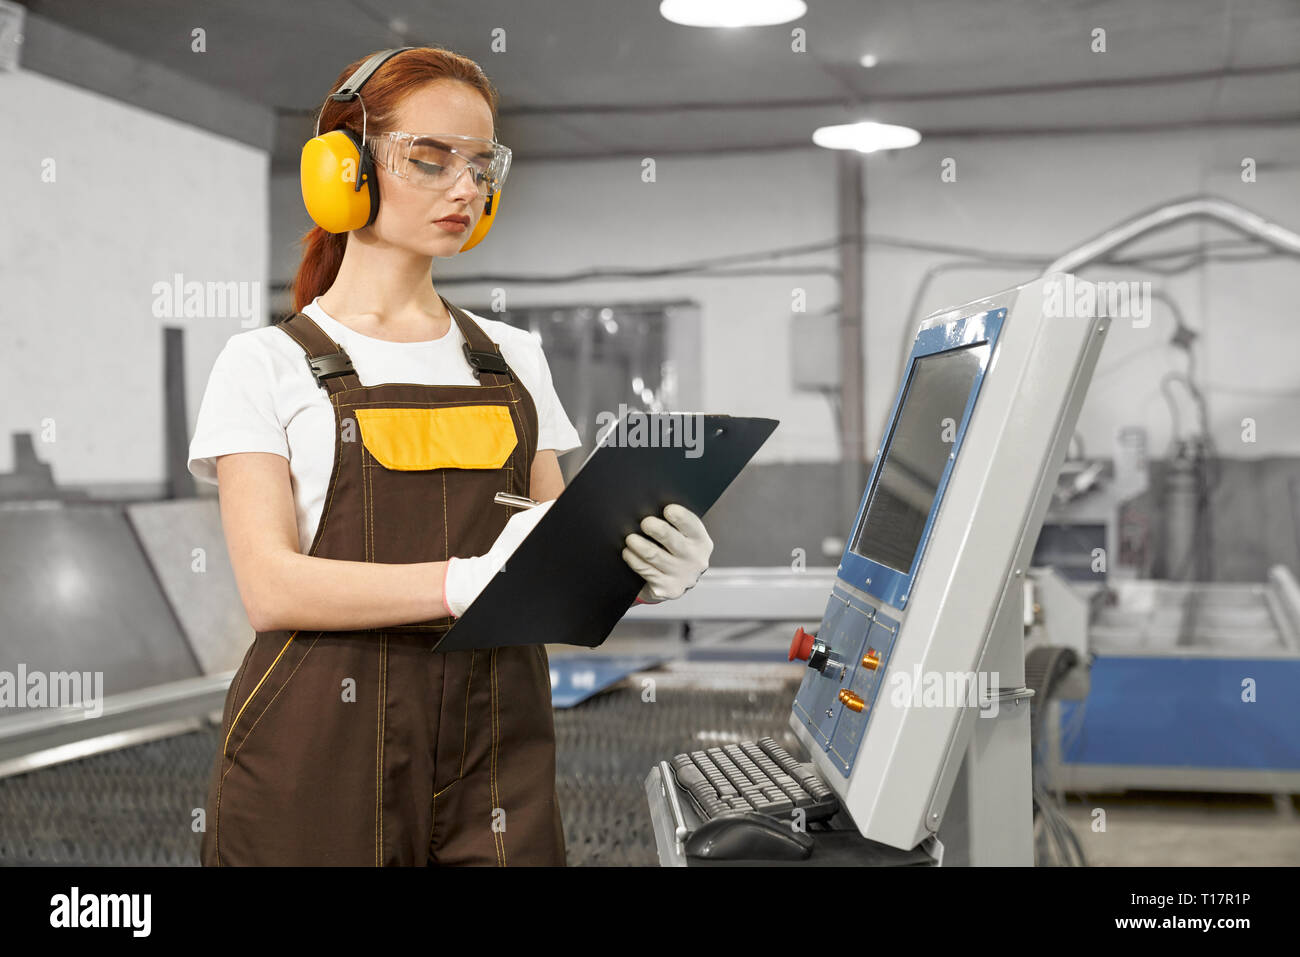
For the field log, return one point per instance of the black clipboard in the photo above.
(567, 583)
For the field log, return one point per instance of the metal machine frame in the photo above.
(916, 772)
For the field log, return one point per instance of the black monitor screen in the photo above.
(925, 432)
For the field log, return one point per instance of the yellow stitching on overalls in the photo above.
(446, 533)
(216, 835)
(251, 694)
(492, 763)
(465, 741)
(288, 331)
(519, 414)
(447, 788)
(379, 750)
(425, 403)
(334, 473)
(523, 421)
(239, 678)
(433, 827)
(367, 512)
(272, 701)
(338, 445)
(476, 389)
(498, 837)
(365, 500)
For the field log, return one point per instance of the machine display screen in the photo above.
(925, 432)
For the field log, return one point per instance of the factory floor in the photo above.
(133, 806)
(1186, 829)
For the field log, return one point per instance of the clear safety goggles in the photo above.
(437, 161)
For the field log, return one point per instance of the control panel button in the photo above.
(851, 701)
(871, 660)
(802, 644)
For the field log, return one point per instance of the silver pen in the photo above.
(515, 501)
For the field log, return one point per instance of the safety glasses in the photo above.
(436, 161)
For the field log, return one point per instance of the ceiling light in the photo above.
(869, 60)
(731, 13)
(866, 137)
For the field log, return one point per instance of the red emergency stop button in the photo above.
(802, 645)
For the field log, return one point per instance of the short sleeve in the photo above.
(238, 412)
(554, 430)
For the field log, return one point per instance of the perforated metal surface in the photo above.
(136, 806)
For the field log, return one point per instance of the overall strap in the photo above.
(328, 362)
(483, 355)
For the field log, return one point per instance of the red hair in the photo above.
(403, 74)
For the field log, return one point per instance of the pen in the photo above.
(516, 501)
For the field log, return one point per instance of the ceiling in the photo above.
(611, 77)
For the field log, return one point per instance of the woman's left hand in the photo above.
(674, 562)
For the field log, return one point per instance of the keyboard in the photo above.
(752, 776)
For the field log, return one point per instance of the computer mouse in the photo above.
(748, 836)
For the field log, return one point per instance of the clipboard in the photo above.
(567, 582)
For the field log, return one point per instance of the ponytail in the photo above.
(322, 255)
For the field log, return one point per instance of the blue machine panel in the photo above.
(866, 683)
(844, 627)
(953, 357)
(927, 425)
(1169, 712)
(849, 628)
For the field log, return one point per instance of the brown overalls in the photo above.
(368, 747)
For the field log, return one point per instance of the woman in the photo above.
(357, 454)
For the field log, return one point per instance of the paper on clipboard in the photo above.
(567, 583)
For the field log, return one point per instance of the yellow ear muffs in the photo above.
(490, 207)
(339, 187)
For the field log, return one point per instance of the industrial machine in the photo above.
(914, 709)
(1166, 692)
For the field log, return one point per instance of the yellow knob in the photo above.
(851, 701)
(871, 660)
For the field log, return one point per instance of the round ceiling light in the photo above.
(866, 137)
(731, 13)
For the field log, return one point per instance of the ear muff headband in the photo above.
(335, 166)
(352, 85)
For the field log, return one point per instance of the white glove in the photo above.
(467, 577)
(674, 563)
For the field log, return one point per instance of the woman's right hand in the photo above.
(467, 577)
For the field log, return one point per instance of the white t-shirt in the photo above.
(261, 397)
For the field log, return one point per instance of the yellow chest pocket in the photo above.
(448, 437)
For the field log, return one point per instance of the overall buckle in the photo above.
(486, 362)
(324, 367)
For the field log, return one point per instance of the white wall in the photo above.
(1036, 196)
(136, 199)
(1048, 195)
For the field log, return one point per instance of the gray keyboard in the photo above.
(752, 776)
